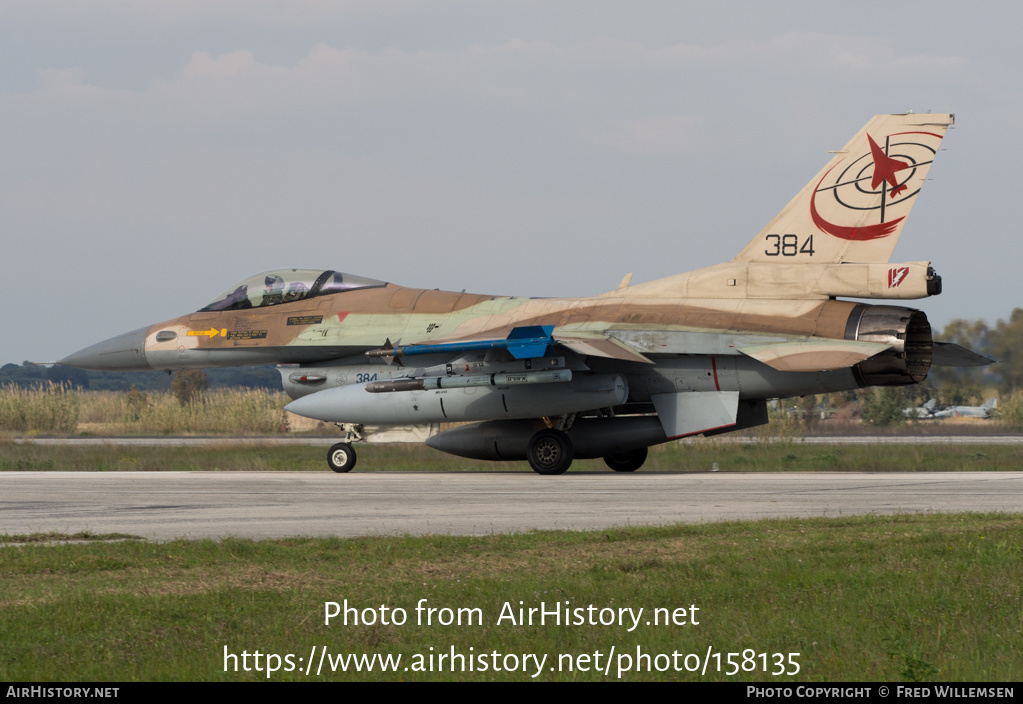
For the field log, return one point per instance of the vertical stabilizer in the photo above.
(854, 209)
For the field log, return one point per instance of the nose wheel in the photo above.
(341, 457)
(550, 452)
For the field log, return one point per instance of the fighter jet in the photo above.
(555, 379)
(985, 411)
(924, 412)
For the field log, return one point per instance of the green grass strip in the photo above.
(899, 598)
(56, 537)
(701, 456)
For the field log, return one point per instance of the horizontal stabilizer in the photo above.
(949, 354)
(691, 412)
(813, 355)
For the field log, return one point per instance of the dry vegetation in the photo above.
(54, 409)
(59, 411)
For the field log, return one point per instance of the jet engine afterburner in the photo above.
(908, 333)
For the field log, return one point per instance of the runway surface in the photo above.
(168, 505)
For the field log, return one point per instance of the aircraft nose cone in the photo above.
(313, 406)
(124, 353)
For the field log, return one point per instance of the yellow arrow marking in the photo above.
(211, 333)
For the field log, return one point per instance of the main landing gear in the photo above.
(551, 452)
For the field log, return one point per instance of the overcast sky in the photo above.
(154, 152)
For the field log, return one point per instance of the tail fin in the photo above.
(854, 209)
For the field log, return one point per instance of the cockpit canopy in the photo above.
(286, 286)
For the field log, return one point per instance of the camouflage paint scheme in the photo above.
(698, 352)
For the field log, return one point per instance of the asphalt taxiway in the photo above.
(168, 505)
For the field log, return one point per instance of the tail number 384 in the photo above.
(788, 246)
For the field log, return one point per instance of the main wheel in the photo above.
(341, 457)
(550, 452)
(628, 461)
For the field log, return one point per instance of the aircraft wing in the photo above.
(523, 342)
(783, 354)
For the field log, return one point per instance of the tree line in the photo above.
(1002, 341)
(29, 375)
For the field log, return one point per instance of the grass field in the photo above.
(903, 598)
(697, 456)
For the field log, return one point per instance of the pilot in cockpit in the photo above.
(273, 292)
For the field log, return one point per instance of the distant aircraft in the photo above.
(924, 412)
(550, 380)
(985, 411)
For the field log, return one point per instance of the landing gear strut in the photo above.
(550, 452)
